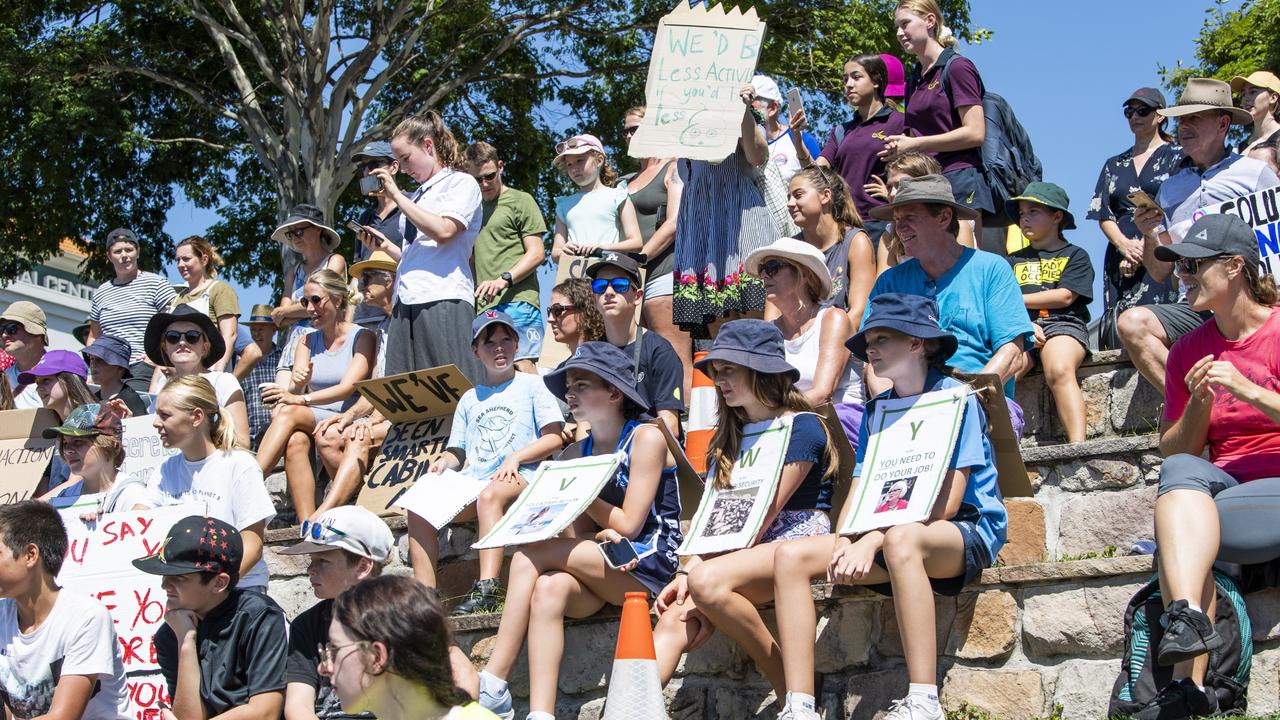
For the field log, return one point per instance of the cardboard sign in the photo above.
(24, 454)
(560, 491)
(99, 563)
(555, 352)
(144, 453)
(731, 518)
(701, 58)
(420, 406)
(909, 448)
(1012, 471)
(1261, 210)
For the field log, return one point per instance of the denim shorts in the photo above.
(529, 327)
(976, 559)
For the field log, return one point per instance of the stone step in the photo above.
(1118, 401)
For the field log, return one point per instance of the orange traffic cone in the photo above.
(635, 690)
(702, 418)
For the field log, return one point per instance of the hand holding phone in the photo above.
(618, 554)
(794, 103)
(355, 227)
(1142, 200)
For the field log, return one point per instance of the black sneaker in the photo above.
(1179, 700)
(485, 597)
(1187, 634)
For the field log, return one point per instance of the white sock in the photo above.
(1194, 606)
(539, 715)
(927, 694)
(492, 682)
(802, 701)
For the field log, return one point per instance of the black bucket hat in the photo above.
(160, 322)
(912, 315)
(604, 360)
(755, 344)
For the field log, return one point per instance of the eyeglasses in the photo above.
(374, 276)
(191, 337)
(630, 129)
(10, 328)
(1140, 111)
(574, 143)
(297, 232)
(328, 652)
(313, 300)
(1191, 266)
(487, 177)
(557, 311)
(619, 285)
(772, 266)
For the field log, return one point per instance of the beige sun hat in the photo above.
(795, 251)
(1206, 94)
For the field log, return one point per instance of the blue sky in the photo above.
(1066, 68)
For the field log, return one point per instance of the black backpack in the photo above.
(1008, 160)
(1141, 677)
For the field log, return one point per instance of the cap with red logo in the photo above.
(487, 318)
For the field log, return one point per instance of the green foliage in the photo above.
(1235, 42)
(1107, 552)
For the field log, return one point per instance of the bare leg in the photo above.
(1061, 357)
(424, 549)
(657, 317)
(464, 673)
(673, 637)
(284, 423)
(490, 507)
(330, 446)
(1187, 534)
(914, 553)
(1146, 342)
(299, 475)
(356, 456)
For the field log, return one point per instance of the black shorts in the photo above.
(976, 559)
(969, 186)
(1071, 327)
(1178, 319)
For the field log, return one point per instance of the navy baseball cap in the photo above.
(1213, 236)
(755, 344)
(489, 317)
(375, 149)
(110, 349)
(912, 315)
(622, 261)
(605, 360)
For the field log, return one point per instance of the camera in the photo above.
(370, 185)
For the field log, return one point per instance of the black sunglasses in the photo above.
(374, 276)
(10, 328)
(371, 165)
(1191, 266)
(630, 129)
(297, 232)
(313, 300)
(619, 285)
(557, 311)
(487, 177)
(1140, 111)
(772, 266)
(173, 337)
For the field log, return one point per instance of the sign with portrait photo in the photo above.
(560, 491)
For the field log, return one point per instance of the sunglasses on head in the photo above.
(1139, 110)
(10, 328)
(297, 232)
(487, 177)
(558, 311)
(173, 337)
(573, 144)
(313, 300)
(1191, 266)
(771, 266)
(619, 285)
(316, 531)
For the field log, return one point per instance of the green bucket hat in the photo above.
(1046, 194)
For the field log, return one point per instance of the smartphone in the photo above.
(355, 227)
(1142, 200)
(370, 185)
(618, 553)
(794, 103)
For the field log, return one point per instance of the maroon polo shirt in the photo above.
(930, 112)
(856, 157)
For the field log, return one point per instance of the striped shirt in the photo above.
(124, 310)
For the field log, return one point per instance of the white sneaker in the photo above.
(909, 708)
(795, 713)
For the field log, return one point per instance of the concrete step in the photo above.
(1118, 401)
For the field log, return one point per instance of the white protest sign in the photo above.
(1261, 211)
(909, 451)
(144, 453)
(439, 497)
(701, 58)
(560, 491)
(99, 563)
(730, 518)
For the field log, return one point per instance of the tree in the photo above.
(1235, 42)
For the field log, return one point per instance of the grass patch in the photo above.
(1109, 551)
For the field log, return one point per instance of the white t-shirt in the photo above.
(28, 399)
(76, 639)
(430, 271)
(493, 421)
(230, 484)
(803, 352)
(224, 386)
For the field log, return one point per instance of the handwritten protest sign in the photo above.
(560, 491)
(701, 58)
(730, 518)
(1261, 210)
(420, 406)
(908, 454)
(24, 454)
(99, 563)
(144, 453)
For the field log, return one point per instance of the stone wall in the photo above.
(1118, 401)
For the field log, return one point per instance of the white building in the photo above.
(56, 287)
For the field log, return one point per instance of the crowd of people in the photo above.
(810, 271)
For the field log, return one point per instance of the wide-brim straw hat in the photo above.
(1203, 94)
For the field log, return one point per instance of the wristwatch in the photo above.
(306, 399)
(507, 276)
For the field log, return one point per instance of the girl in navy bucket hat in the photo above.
(753, 383)
(640, 502)
(902, 342)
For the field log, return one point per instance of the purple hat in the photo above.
(54, 362)
(895, 85)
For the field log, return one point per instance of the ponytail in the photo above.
(194, 392)
(1261, 287)
(417, 129)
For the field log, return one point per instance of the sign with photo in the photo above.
(560, 491)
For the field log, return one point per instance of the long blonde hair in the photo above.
(194, 392)
(940, 31)
(333, 286)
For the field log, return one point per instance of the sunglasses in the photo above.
(1141, 111)
(173, 337)
(1191, 266)
(557, 311)
(372, 165)
(297, 232)
(10, 328)
(313, 300)
(487, 177)
(630, 129)
(772, 266)
(374, 276)
(574, 144)
(316, 531)
(619, 285)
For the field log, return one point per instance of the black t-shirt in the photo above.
(307, 633)
(389, 226)
(131, 398)
(660, 375)
(1068, 268)
(241, 646)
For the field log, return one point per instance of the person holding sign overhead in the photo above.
(639, 509)
(963, 535)
(755, 387)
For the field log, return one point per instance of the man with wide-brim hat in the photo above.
(1260, 97)
(257, 366)
(976, 293)
(1210, 174)
(301, 217)
(374, 278)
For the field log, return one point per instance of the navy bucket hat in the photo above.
(110, 349)
(604, 360)
(912, 315)
(755, 344)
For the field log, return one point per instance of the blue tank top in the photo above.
(661, 529)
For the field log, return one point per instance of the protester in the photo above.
(25, 334)
(123, 305)
(573, 315)
(327, 365)
(914, 561)
(90, 446)
(1056, 278)
(187, 341)
(942, 118)
(109, 360)
(615, 281)
(381, 214)
(256, 368)
(198, 263)
(1260, 96)
(789, 148)
(655, 191)
(1144, 167)
(600, 215)
(222, 647)
(797, 283)
(211, 469)
(435, 290)
(501, 429)
(305, 232)
(889, 251)
(386, 655)
(508, 252)
(819, 202)
(754, 383)
(1210, 174)
(59, 380)
(61, 654)
(569, 577)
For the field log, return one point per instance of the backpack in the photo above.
(1141, 677)
(1009, 163)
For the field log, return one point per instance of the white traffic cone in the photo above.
(635, 690)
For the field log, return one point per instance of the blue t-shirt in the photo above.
(978, 301)
(808, 443)
(973, 450)
(493, 421)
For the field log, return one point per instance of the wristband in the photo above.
(306, 399)
(682, 572)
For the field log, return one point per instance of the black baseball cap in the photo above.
(121, 235)
(1149, 96)
(622, 261)
(1213, 236)
(196, 544)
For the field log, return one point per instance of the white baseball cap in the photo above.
(349, 527)
(766, 88)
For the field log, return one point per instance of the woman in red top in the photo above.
(1220, 392)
